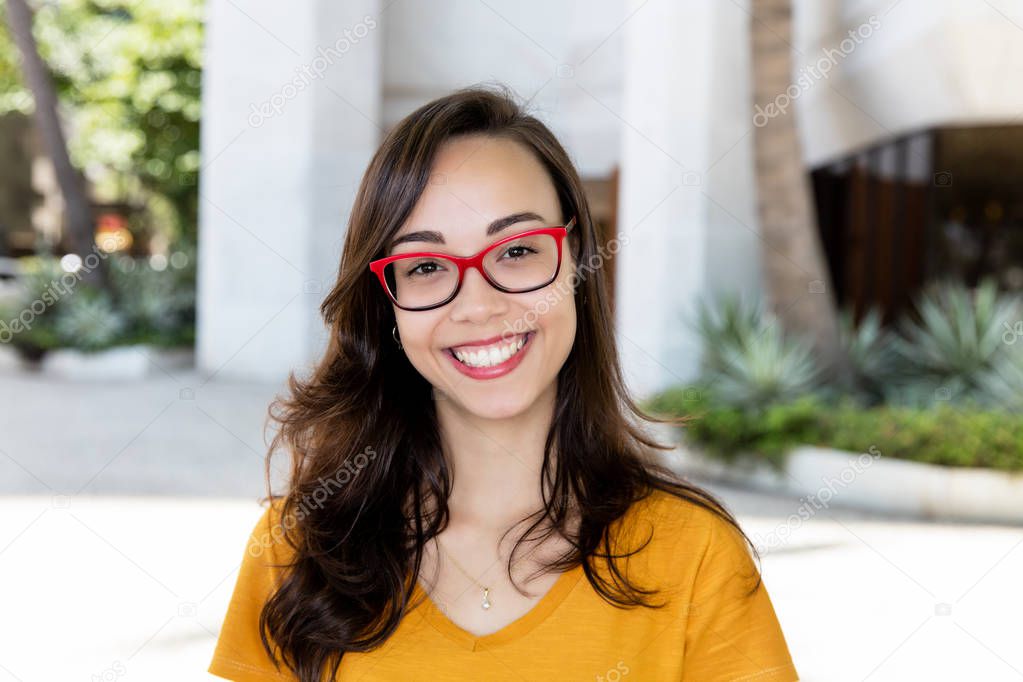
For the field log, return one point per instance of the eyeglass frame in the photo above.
(463, 263)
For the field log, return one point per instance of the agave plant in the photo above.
(726, 321)
(957, 352)
(748, 360)
(868, 349)
(1002, 384)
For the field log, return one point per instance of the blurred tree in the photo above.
(79, 217)
(796, 275)
(129, 74)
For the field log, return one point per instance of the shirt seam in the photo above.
(231, 662)
(768, 671)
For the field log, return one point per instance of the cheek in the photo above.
(554, 312)
(416, 331)
(419, 349)
(566, 308)
(560, 329)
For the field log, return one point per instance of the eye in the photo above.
(423, 269)
(519, 250)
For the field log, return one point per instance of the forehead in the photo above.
(477, 179)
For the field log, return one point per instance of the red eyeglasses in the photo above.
(522, 262)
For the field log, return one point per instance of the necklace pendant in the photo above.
(486, 599)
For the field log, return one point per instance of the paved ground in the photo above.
(862, 598)
(124, 509)
(175, 434)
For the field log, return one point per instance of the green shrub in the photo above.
(148, 306)
(87, 320)
(160, 304)
(944, 435)
(730, 432)
(32, 312)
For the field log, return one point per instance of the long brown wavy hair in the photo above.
(366, 413)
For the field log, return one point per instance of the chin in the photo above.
(491, 404)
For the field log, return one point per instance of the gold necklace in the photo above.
(486, 590)
(485, 604)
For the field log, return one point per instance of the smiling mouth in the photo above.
(489, 356)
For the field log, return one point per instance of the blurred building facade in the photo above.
(652, 100)
(915, 144)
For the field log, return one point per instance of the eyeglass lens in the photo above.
(519, 265)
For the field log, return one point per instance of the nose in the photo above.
(477, 301)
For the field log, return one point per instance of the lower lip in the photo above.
(497, 370)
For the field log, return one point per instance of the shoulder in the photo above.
(268, 544)
(731, 629)
(270, 521)
(679, 516)
(689, 538)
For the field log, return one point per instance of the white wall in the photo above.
(924, 63)
(566, 56)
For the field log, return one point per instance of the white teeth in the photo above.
(491, 355)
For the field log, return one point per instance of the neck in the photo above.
(496, 463)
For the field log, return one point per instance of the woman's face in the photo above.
(476, 180)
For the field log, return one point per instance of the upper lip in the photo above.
(487, 342)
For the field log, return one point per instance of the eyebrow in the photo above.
(493, 228)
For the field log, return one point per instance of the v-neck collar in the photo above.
(517, 628)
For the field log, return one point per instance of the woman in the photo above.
(472, 496)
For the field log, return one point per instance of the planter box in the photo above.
(872, 482)
(10, 360)
(119, 363)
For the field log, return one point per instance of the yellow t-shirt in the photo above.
(709, 630)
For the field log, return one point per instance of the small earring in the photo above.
(394, 335)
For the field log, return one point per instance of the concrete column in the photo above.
(686, 194)
(291, 111)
